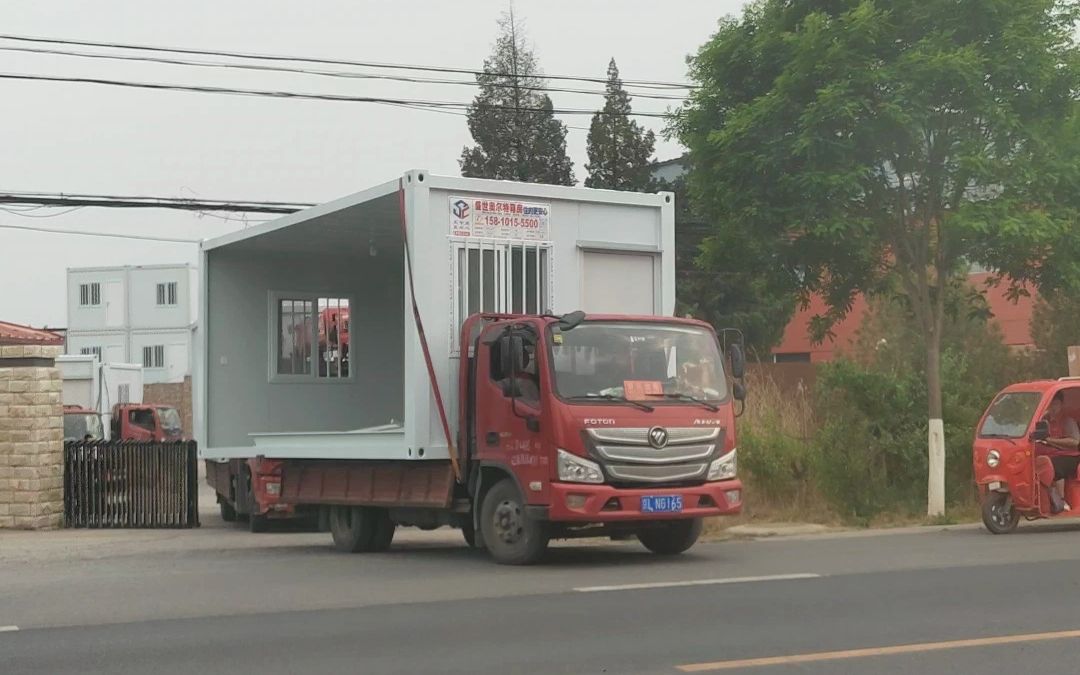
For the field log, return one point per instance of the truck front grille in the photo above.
(627, 456)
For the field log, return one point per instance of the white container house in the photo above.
(279, 299)
(135, 314)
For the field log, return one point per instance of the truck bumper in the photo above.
(574, 502)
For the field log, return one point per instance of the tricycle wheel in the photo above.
(671, 538)
(998, 514)
(510, 535)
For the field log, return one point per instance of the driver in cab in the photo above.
(1064, 435)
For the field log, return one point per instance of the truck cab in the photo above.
(82, 424)
(601, 424)
(146, 422)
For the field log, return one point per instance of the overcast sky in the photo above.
(76, 138)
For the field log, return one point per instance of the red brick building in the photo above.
(1014, 319)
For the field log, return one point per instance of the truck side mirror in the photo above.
(1041, 431)
(738, 390)
(738, 361)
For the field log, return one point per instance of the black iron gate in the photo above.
(131, 484)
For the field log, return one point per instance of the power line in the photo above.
(463, 114)
(26, 213)
(111, 201)
(316, 97)
(322, 73)
(652, 84)
(88, 233)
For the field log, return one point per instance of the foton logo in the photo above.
(600, 422)
(460, 209)
(706, 423)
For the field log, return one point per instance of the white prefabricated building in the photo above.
(99, 386)
(309, 349)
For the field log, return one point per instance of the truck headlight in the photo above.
(993, 458)
(574, 469)
(724, 468)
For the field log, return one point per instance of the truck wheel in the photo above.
(352, 528)
(673, 537)
(998, 514)
(257, 523)
(228, 513)
(473, 538)
(383, 531)
(509, 534)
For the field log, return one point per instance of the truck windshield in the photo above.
(78, 425)
(170, 419)
(1010, 415)
(653, 362)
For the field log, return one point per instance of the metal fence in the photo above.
(131, 484)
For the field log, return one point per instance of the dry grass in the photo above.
(784, 415)
(782, 423)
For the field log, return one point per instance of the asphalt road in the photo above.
(933, 601)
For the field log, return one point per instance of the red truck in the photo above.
(146, 422)
(572, 426)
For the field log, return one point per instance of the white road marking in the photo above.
(8, 629)
(698, 582)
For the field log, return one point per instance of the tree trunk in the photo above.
(935, 494)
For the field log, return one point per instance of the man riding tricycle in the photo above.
(1026, 454)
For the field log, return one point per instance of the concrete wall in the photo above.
(241, 397)
(31, 438)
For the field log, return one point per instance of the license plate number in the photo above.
(663, 504)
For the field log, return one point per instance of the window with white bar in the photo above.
(499, 276)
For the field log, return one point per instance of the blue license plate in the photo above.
(665, 504)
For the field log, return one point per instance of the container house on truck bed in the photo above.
(310, 349)
(369, 361)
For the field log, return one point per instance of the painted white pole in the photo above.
(935, 494)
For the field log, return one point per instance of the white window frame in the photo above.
(167, 293)
(154, 351)
(92, 296)
(504, 249)
(92, 351)
(273, 376)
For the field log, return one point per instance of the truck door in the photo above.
(139, 424)
(509, 412)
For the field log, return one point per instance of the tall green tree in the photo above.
(714, 284)
(620, 150)
(512, 121)
(861, 141)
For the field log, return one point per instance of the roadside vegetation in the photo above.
(850, 449)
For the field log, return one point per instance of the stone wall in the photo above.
(31, 438)
(177, 395)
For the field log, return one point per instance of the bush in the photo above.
(870, 454)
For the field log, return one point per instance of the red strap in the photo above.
(423, 337)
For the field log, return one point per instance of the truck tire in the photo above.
(671, 538)
(228, 513)
(511, 537)
(383, 533)
(998, 514)
(473, 538)
(257, 523)
(352, 527)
